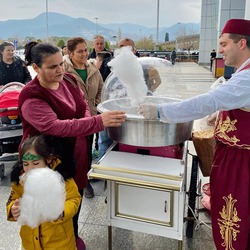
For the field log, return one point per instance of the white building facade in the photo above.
(214, 15)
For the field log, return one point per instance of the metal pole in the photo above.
(96, 18)
(47, 21)
(177, 35)
(157, 26)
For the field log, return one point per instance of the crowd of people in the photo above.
(59, 106)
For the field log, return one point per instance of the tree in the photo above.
(145, 43)
(187, 40)
(60, 43)
(28, 39)
(107, 47)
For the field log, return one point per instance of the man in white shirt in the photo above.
(230, 174)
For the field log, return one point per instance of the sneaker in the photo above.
(80, 245)
(88, 191)
(95, 154)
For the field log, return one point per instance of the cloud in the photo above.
(142, 12)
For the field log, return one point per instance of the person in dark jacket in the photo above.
(173, 56)
(99, 46)
(212, 57)
(12, 68)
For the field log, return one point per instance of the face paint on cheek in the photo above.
(30, 157)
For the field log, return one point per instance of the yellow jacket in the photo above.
(52, 235)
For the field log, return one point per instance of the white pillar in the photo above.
(247, 12)
(214, 15)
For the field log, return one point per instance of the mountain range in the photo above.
(65, 26)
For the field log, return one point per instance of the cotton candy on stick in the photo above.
(128, 70)
(43, 198)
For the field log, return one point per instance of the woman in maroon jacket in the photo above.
(52, 103)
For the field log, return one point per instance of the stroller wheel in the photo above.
(10, 120)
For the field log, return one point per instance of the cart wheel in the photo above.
(192, 197)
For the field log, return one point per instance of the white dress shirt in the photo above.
(234, 94)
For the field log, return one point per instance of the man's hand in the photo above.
(211, 120)
(148, 110)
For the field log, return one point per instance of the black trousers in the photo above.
(76, 217)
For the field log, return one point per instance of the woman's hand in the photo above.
(15, 209)
(113, 118)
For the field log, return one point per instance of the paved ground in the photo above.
(183, 80)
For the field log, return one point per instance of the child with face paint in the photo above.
(41, 152)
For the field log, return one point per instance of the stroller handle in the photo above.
(8, 109)
(12, 84)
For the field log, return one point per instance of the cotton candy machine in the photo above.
(140, 132)
(145, 167)
(136, 130)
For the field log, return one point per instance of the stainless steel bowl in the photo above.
(137, 131)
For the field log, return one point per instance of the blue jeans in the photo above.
(104, 143)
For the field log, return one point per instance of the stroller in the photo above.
(10, 126)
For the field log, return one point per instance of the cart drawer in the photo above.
(147, 204)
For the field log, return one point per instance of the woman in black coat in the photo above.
(12, 68)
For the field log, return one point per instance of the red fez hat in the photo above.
(237, 26)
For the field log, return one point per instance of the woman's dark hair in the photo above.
(36, 52)
(73, 42)
(3, 45)
(63, 48)
(48, 146)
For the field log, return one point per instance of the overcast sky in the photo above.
(142, 12)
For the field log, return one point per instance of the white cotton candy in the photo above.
(128, 70)
(44, 197)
